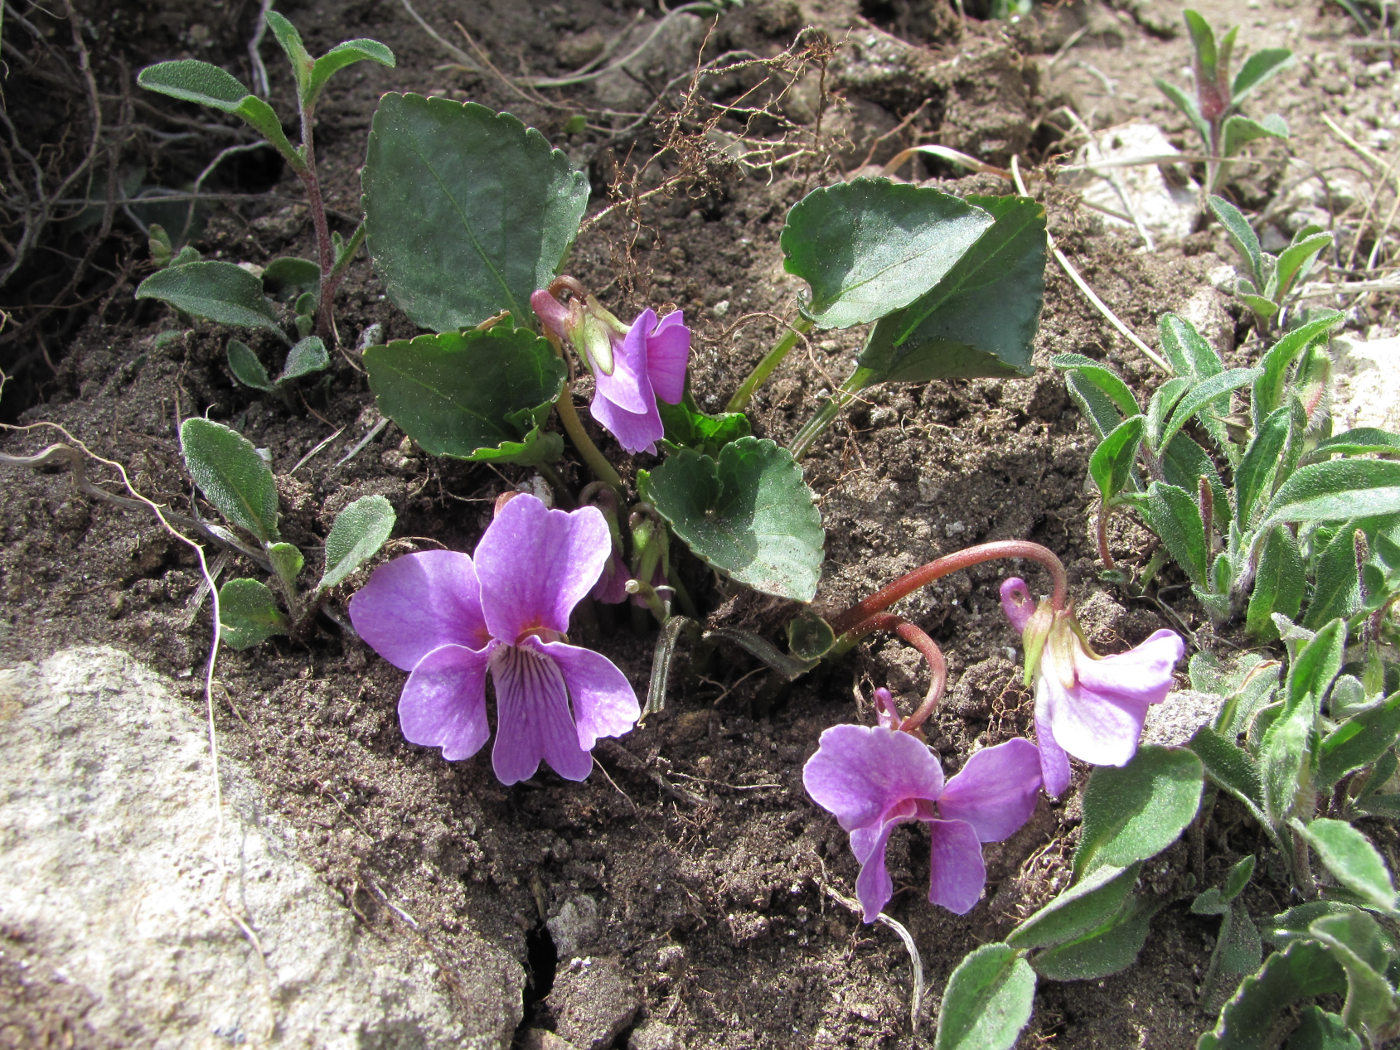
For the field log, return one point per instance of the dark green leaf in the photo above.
(1362, 441)
(809, 636)
(193, 81)
(248, 613)
(229, 471)
(1187, 105)
(1134, 812)
(467, 211)
(1319, 1030)
(1352, 860)
(356, 536)
(1111, 464)
(870, 247)
(1228, 767)
(1241, 130)
(1185, 350)
(1112, 947)
(1319, 661)
(246, 367)
(1214, 389)
(1087, 905)
(1242, 236)
(1256, 69)
(987, 1002)
(1249, 1020)
(1254, 479)
(688, 427)
(1176, 519)
(1161, 404)
(980, 320)
(1185, 463)
(1337, 490)
(340, 56)
(467, 394)
(1279, 584)
(306, 356)
(1359, 741)
(1271, 387)
(288, 271)
(748, 514)
(1100, 376)
(217, 291)
(1297, 259)
(1336, 586)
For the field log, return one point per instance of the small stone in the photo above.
(575, 927)
(654, 1035)
(593, 1003)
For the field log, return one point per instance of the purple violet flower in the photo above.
(632, 365)
(873, 778)
(1086, 705)
(450, 618)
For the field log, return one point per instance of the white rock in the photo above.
(115, 869)
(1137, 190)
(1367, 388)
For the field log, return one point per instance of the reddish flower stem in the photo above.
(951, 563)
(928, 648)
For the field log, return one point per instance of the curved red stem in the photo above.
(950, 563)
(928, 648)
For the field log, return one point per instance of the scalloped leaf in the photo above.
(471, 395)
(747, 513)
(467, 211)
(871, 246)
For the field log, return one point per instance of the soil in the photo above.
(717, 885)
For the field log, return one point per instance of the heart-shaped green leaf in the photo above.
(356, 535)
(988, 1001)
(688, 427)
(870, 247)
(217, 291)
(748, 514)
(980, 319)
(1135, 812)
(468, 211)
(229, 471)
(473, 395)
(190, 80)
(248, 613)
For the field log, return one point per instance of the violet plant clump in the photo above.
(452, 619)
(874, 778)
(1086, 705)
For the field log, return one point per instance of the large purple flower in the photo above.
(1086, 705)
(874, 777)
(632, 365)
(450, 618)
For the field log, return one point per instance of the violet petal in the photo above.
(957, 872)
(443, 703)
(532, 717)
(416, 603)
(995, 792)
(535, 564)
(1054, 763)
(668, 354)
(604, 702)
(859, 772)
